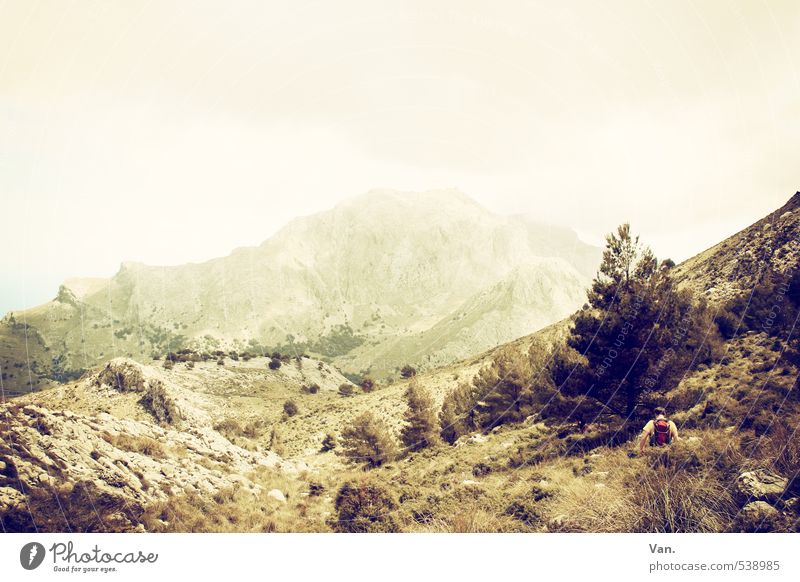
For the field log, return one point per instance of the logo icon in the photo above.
(31, 555)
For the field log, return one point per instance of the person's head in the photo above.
(660, 411)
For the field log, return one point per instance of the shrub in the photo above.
(457, 416)
(139, 444)
(368, 441)
(367, 384)
(364, 507)
(328, 443)
(504, 389)
(160, 404)
(290, 408)
(408, 371)
(276, 442)
(346, 389)
(677, 501)
(168, 364)
(274, 363)
(420, 429)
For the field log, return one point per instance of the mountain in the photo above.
(204, 445)
(734, 265)
(383, 279)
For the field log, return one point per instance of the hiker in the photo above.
(660, 431)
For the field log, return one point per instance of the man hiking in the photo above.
(660, 431)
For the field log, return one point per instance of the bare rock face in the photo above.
(760, 485)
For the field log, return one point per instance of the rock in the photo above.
(531, 420)
(600, 485)
(477, 438)
(469, 482)
(757, 516)
(760, 485)
(792, 504)
(10, 498)
(277, 494)
(2, 466)
(558, 521)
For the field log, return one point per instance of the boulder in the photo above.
(557, 522)
(760, 485)
(758, 516)
(277, 495)
(10, 498)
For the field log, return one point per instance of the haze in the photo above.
(170, 132)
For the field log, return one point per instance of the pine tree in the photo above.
(420, 429)
(505, 389)
(637, 329)
(457, 416)
(368, 441)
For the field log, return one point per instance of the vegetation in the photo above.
(364, 507)
(368, 440)
(160, 404)
(290, 408)
(346, 389)
(638, 333)
(328, 443)
(420, 430)
(408, 371)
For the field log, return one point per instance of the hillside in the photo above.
(382, 280)
(212, 445)
(734, 265)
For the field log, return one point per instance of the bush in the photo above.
(457, 416)
(274, 363)
(420, 429)
(364, 507)
(290, 408)
(367, 384)
(328, 443)
(160, 404)
(346, 389)
(676, 501)
(408, 371)
(368, 441)
(505, 390)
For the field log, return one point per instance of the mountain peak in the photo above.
(448, 197)
(792, 204)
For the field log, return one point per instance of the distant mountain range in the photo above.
(383, 279)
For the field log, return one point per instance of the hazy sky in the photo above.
(168, 132)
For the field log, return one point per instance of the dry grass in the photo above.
(137, 444)
(237, 509)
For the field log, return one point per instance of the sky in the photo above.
(171, 132)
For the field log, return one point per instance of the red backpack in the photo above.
(661, 433)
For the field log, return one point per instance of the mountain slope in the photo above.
(380, 270)
(734, 265)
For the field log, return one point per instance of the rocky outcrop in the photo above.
(760, 485)
(126, 462)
